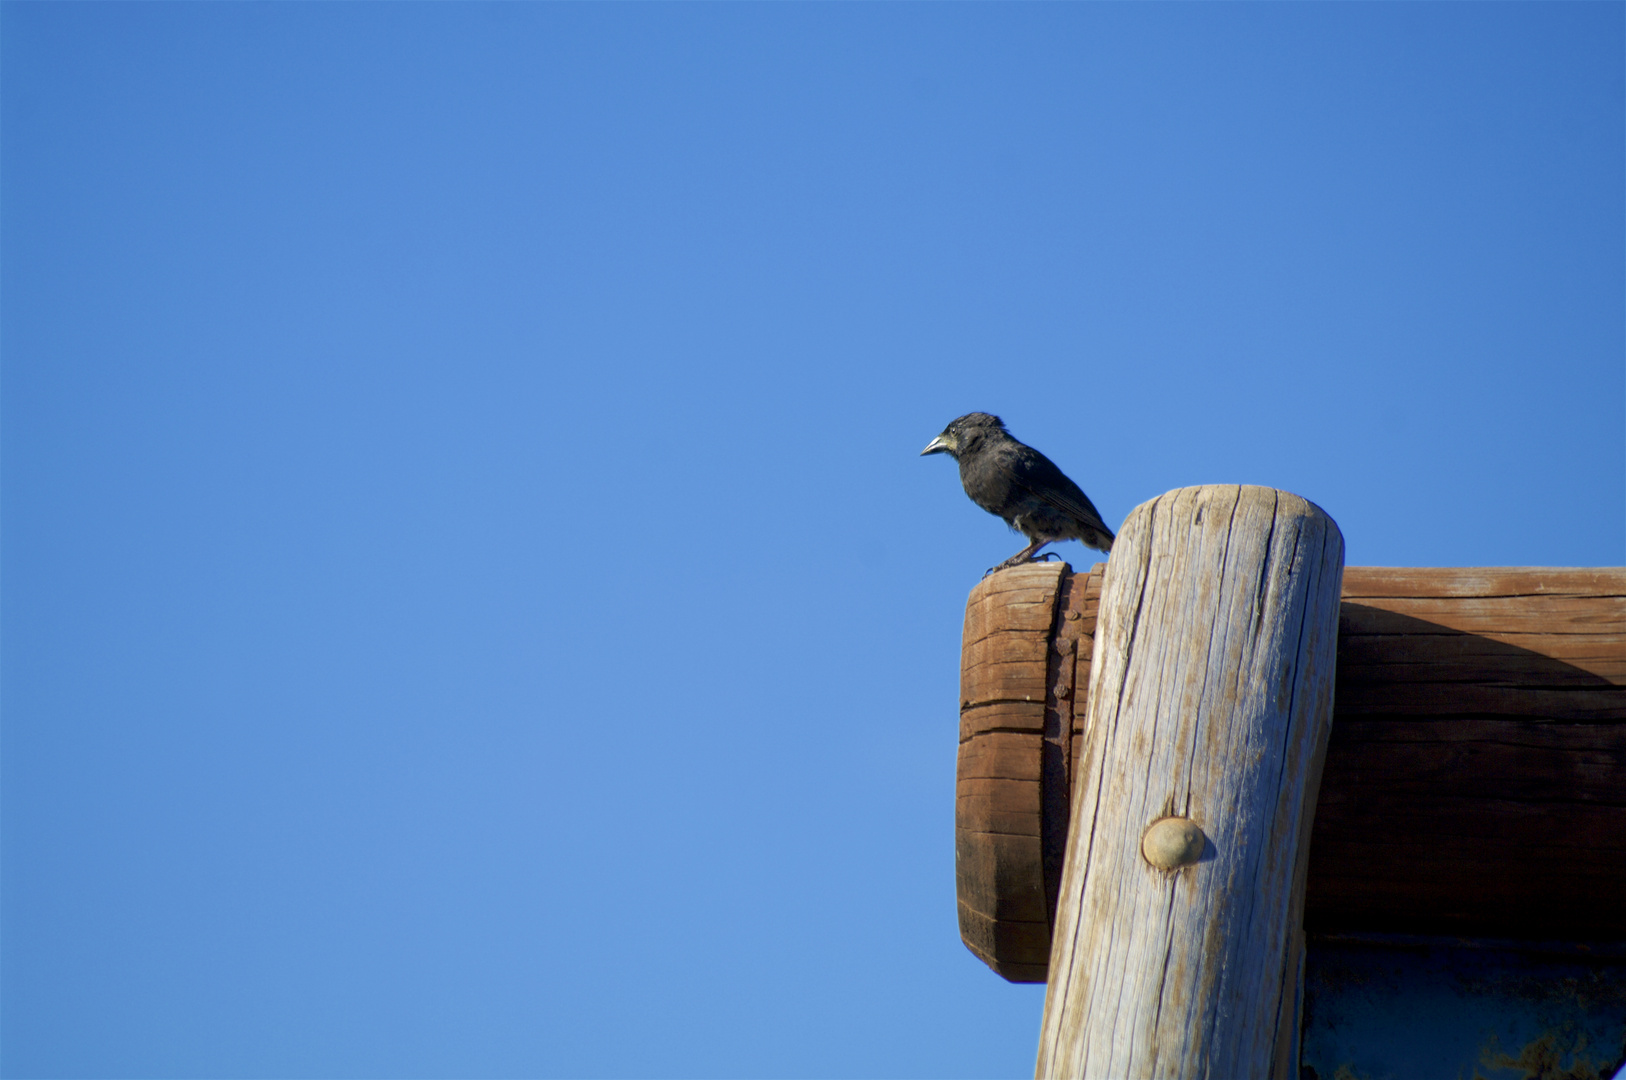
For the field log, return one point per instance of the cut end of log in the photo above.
(1172, 842)
(1024, 672)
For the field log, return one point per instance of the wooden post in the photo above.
(1210, 705)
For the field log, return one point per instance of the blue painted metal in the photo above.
(1395, 1007)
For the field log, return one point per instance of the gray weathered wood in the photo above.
(1211, 700)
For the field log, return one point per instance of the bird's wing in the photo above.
(1038, 474)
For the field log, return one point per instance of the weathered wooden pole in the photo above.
(1210, 703)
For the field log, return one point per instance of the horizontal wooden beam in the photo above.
(1012, 778)
(1476, 775)
(1475, 779)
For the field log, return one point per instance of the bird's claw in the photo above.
(1018, 560)
(1006, 565)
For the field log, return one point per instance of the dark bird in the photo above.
(1014, 481)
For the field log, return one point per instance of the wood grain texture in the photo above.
(998, 806)
(1070, 632)
(1024, 630)
(1475, 779)
(1088, 606)
(1211, 699)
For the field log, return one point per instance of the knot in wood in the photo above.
(1172, 842)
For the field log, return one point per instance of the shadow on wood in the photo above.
(1476, 776)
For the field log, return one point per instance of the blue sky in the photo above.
(472, 605)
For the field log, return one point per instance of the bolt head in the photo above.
(1172, 842)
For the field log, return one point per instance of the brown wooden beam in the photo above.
(1475, 779)
(1476, 775)
(1000, 817)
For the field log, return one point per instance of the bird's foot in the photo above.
(1021, 558)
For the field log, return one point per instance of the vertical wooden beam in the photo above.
(1210, 705)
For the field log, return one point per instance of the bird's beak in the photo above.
(940, 445)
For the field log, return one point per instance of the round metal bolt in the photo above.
(1172, 842)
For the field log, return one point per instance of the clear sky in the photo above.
(472, 603)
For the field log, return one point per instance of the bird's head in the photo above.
(964, 435)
